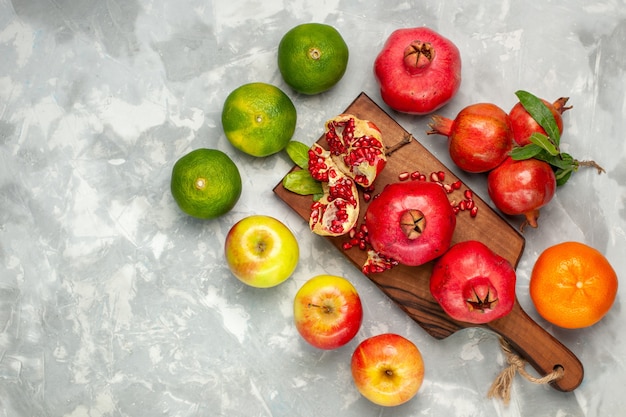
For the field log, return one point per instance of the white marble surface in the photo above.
(114, 303)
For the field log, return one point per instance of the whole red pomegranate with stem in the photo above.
(522, 187)
(539, 125)
(418, 70)
(473, 284)
(524, 125)
(410, 222)
(479, 138)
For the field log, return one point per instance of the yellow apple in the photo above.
(327, 311)
(387, 369)
(261, 251)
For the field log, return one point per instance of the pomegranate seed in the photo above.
(456, 185)
(346, 246)
(469, 194)
(362, 245)
(360, 179)
(470, 204)
(448, 188)
(367, 197)
(403, 176)
(455, 210)
(415, 175)
(474, 211)
(434, 177)
(462, 205)
(441, 175)
(422, 177)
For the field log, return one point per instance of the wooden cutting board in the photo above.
(409, 288)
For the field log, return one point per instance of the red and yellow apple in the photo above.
(327, 311)
(387, 369)
(261, 251)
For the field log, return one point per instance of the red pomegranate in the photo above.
(523, 124)
(479, 138)
(522, 187)
(410, 222)
(473, 284)
(418, 70)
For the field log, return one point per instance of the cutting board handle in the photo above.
(544, 352)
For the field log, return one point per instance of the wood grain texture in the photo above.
(408, 287)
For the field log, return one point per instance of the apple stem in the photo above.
(326, 309)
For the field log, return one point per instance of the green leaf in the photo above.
(556, 161)
(564, 161)
(301, 182)
(568, 159)
(541, 113)
(544, 142)
(299, 153)
(562, 164)
(520, 153)
(562, 176)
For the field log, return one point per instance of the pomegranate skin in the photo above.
(425, 85)
(473, 284)
(479, 138)
(384, 221)
(522, 187)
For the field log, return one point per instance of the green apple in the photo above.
(261, 251)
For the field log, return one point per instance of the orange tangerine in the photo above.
(572, 285)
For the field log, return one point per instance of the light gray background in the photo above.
(115, 303)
